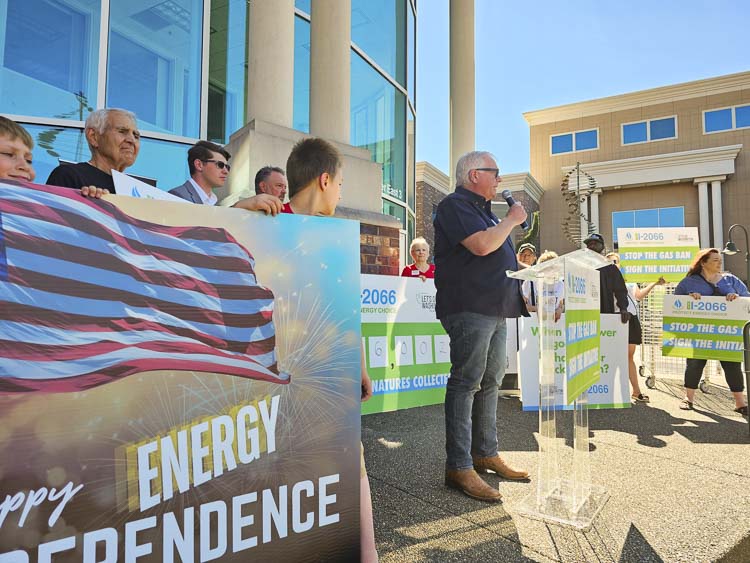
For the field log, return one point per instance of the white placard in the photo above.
(378, 346)
(423, 349)
(127, 185)
(442, 348)
(404, 352)
(613, 388)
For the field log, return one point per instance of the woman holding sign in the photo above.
(706, 278)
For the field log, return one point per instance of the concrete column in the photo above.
(330, 69)
(703, 214)
(718, 220)
(462, 109)
(595, 211)
(270, 75)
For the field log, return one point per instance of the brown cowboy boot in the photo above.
(496, 464)
(469, 483)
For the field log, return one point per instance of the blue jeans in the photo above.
(477, 365)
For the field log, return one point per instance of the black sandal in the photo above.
(742, 411)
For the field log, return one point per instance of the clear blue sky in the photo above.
(534, 55)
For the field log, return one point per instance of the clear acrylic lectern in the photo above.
(568, 365)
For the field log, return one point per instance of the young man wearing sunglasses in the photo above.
(209, 168)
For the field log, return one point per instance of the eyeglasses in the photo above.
(221, 165)
(495, 171)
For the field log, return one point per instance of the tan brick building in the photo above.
(670, 156)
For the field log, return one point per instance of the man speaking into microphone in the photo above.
(473, 250)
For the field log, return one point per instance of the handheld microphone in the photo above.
(508, 197)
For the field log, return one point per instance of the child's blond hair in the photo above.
(13, 131)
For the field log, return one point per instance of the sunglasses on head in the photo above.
(220, 164)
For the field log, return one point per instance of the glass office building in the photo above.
(181, 66)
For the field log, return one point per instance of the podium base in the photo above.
(557, 507)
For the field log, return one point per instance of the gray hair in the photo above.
(470, 161)
(98, 120)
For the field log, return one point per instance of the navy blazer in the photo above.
(187, 191)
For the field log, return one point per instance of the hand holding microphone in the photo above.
(514, 212)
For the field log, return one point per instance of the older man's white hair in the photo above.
(470, 161)
(98, 120)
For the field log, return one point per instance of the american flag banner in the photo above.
(89, 295)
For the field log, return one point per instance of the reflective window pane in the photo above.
(154, 66)
(227, 69)
(410, 161)
(301, 110)
(379, 28)
(742, 116)
(672, 217)
(562, 143)
(411, 61)
(718, 120)
(54, 143)
(634, 133)
(397, 211)
(378, 115)
(621, 220)
(586, 140)
(51, 49)
(662, 128)
(163, 161)
(303, 5)
(646, 218)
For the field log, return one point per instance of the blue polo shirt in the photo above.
(696, 283)
(466, 282)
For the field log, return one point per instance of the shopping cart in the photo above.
(651, 312)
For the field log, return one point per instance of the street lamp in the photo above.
(731, 249)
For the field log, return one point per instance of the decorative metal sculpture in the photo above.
(576, 186)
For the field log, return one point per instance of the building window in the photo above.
(301, 110)
(717, 120)
(378, 123)
(575, 142)
(647, 218)
(411, 54)
(742, 116)
(650, 130)
(395, 210)
(154, 66)
(50, 53)
(227, 70)
(726, 119)
(411, 185)
(379, 29)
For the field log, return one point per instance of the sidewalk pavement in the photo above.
(679, 484)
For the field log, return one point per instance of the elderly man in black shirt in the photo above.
(473, 251)
(114, 141)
